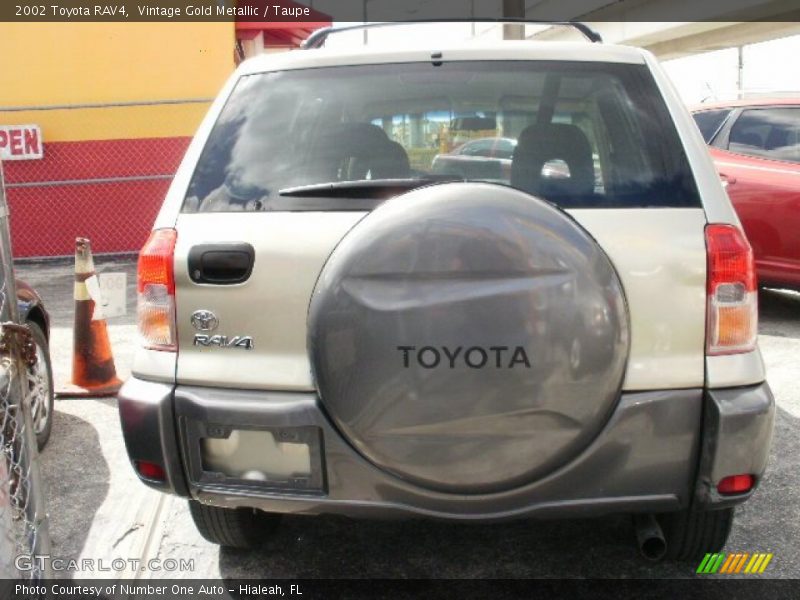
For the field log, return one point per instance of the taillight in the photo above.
(736, 484)
(732, 292)
(150, 470)
(156, 291)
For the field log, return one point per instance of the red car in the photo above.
(755, 145)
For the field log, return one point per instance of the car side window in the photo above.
(504, 148)
(709, 122)
(478, 148)
(772, 133)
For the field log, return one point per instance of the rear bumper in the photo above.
(737, 436)
(660, 451)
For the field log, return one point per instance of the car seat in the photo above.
(354, 151)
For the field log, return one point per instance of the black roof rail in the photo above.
(317, 39)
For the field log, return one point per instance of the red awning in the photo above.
(283, 33)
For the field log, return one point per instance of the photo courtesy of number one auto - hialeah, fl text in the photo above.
(423, 299)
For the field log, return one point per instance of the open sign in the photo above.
(20, 142)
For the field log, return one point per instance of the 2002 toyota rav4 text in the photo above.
(329, 326)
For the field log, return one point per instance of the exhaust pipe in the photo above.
(650, 538)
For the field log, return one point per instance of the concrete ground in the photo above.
(99, 510)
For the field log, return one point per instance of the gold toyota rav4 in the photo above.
(329, 325)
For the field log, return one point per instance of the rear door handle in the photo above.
(727, 179)
(221, 264)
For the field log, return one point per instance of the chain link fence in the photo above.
(23, 521)
(104, 173)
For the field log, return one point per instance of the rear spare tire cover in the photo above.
(468, 337)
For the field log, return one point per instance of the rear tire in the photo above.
(243, 528)
(690, 534)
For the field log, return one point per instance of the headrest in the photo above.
(539, 144)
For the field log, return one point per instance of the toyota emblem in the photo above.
(204, 320)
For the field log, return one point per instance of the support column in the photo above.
(253, 46)
(514, 9)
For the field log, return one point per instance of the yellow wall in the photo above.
(45, 64)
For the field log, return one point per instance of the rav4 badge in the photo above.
(223, 341)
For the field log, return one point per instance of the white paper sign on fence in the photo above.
(113, 290)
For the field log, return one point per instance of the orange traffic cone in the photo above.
(93, 370)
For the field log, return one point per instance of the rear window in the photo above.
(578, 134)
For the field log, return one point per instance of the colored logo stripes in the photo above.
(738, 562)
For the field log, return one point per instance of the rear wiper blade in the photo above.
(364, 188)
